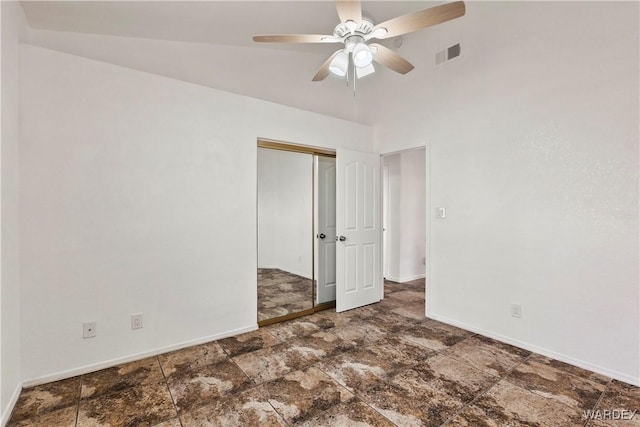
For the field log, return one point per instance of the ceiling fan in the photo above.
(356, 33)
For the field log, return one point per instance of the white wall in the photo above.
(13, 28)
(285, 211)
(533, 145)
(413, 187)
(267, 208)
(406, 211)
(138, 194)
(393, 225)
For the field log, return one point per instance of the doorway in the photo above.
(404, 215)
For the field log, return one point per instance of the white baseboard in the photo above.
(133, 357)
(405, 279)
(543, 351)
(410, 278)
(6, 412)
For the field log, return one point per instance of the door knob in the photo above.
(322, 235)
(341, 238)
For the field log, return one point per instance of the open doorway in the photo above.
(404, 217)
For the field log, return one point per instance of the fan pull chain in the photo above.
(347, 74)
(354, 80)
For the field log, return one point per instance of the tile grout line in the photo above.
(443, 352)
(485, 391)
(273, 335)
(356, 396)
(356, 393)
(166, 383)
(256, 385)
(372, 408)
(531, 354)
(79, 400)
(276, 410)
(253, 385)
(586, 422)
(263, 395)
(571, 375)
(315, 364)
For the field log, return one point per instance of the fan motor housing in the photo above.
(344, 29)
(351, 41)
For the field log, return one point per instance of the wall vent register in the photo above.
(448, 54)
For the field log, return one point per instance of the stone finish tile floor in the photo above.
(379, 365)
(281, 293)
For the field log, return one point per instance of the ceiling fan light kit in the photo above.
(356, 32)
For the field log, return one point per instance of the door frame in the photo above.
(427, 219)
(385, 220)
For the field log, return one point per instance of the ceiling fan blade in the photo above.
(390, 59)
(349, 10)
(323, 72)
(422, 19)
(295, 38)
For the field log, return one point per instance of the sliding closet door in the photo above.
(358, 249)
(326, 229)
(285, 233)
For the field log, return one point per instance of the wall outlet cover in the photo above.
(89, 329)
(136, 321)
(516, 311)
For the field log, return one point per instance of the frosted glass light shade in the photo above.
(365, 71)
(362, 55)
(340, 64)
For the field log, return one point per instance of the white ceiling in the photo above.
(209, 43)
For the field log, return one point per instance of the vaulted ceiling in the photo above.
(209, 43)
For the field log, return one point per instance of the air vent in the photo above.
(448, 54)
(453, 51)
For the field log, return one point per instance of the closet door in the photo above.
(285, 234)
(326, 232)
(358, 249)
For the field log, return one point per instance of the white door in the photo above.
(358, 252)
(326, 230)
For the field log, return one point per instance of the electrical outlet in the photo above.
(89, 329)
(516, 311)
(136, 321)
